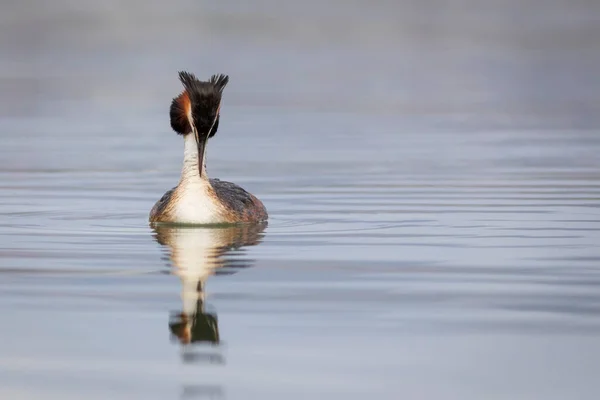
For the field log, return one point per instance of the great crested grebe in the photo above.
(197, 199)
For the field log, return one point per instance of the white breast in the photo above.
(195, 205)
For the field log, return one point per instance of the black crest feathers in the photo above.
(220, 81)
(204, 99)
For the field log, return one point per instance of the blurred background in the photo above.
(503, 60)
(431, 171)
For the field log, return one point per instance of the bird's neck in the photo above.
(189, 172)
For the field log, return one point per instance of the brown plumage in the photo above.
(181, 108)
(239, 205)
(236, 204)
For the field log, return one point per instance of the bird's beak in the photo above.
(201, 143)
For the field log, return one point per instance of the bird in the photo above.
(198, 199)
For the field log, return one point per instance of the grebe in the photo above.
(196, 199)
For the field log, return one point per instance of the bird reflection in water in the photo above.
(196, 253)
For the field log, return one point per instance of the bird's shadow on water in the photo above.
(194, 254)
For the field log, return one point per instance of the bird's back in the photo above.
(241, 205)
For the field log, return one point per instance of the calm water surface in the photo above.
(433, 189)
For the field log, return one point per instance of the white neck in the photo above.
(196, 203)
(189, 172)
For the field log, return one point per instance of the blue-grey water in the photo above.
(431, 170)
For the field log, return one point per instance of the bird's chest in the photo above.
(196, 204)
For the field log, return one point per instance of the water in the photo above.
(431, 174)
